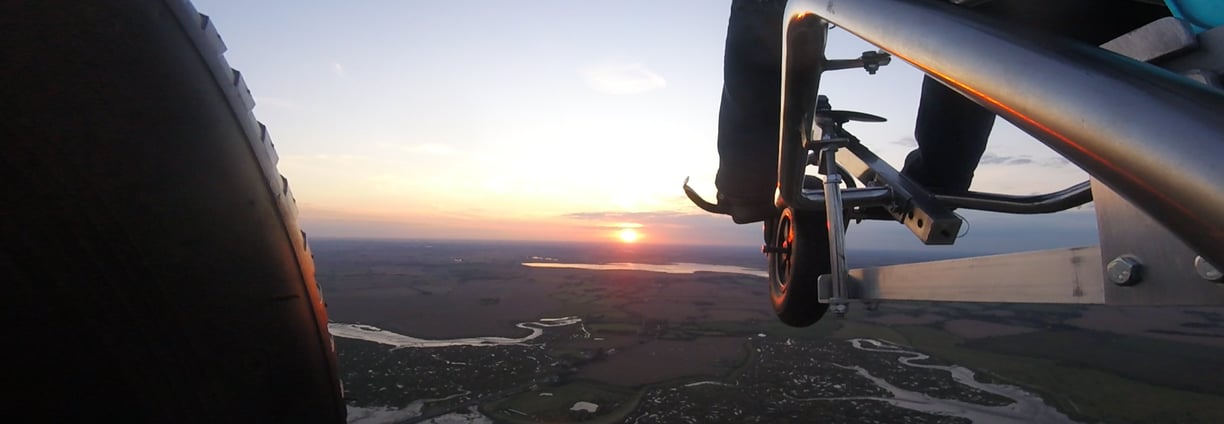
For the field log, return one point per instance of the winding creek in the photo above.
(1025, 407)
(374, 334)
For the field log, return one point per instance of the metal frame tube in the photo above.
(837, 230)
(1061, 200)
(803, 60)
(1151, 135)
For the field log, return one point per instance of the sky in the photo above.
(554, 120)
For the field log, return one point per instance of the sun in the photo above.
(628, 235)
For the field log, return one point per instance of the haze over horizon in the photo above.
(554, 120)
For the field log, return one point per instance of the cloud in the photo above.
(993, 159)
(622, 78)
(986, 232)
(674, 227)
(905, 142)
(625, 216)
(337, 69)
(1056, 162)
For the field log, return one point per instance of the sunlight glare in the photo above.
(628, 235)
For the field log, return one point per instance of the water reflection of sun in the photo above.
(628, 235)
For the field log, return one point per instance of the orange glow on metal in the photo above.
(1030, 121)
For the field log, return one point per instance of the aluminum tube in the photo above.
(802, 62)
(1062, 200)
(1153, 136)
(837, 230)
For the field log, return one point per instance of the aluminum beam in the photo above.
(1070, 275)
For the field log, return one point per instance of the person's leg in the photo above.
(952, 130)
(748, 115)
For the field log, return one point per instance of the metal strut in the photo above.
(837, 231)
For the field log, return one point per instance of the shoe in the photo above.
(915, 170)
(745, 210)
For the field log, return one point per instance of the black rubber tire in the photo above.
(152, 261)
(802, 256)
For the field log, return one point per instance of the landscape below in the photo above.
(464, 332)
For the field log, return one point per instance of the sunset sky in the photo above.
(552, 120)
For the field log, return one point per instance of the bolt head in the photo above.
(840, 308)
(1206, 270)
(1124, 270)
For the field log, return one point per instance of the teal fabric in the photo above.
(1202, 14)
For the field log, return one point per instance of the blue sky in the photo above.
(551, 120)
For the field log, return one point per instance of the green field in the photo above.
(553, 404)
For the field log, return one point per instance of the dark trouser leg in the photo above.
(748, 116)
(951, 132)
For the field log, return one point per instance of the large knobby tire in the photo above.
(800, 254)
(153, 266)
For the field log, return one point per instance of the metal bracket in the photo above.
(1162, 37)
(1145, 263)
(1203, 63)
(869, 61)
(929, 220)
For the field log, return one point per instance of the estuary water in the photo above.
(1025, 407)
(374, 334)
(673, 268)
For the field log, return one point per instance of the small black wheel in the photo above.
(800, 254)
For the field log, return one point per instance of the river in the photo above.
(374, 334)
(673, 268)
(1025, 407)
